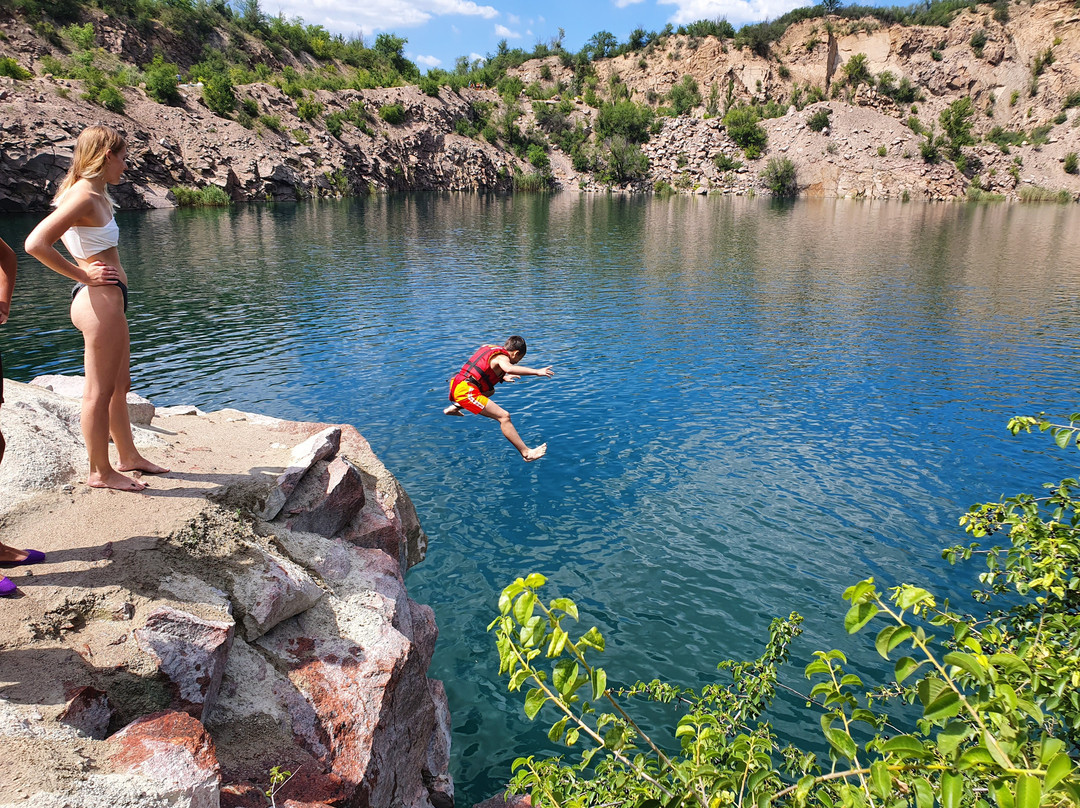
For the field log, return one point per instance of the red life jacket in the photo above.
(478, 369)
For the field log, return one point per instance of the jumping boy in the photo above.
(472, 385)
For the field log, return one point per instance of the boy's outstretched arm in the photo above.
(521, 370)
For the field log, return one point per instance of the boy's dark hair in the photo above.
(515, 343)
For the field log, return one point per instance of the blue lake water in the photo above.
(754, 405)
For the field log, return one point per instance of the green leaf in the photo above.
(951, 737)
(572, 736)
(946, 705)
(993, 746)
(534, 701)
(904, 746)
(842, 743)
(593, 638)
(535, 580)
(952, 790)
(909, 596)
(1003, 795)
(976, 756)
(968, 663)
(564, 676)
(890, 637)
(507, 596)
(905, 666)
(558, 642)
(523, 607)
(557, 729)
(599, 682)
(924, 793)
(1061, 438)
(565, 605)
(860, 592)
(1028, 791)
(858, 616)
(1058, 770)
(881, 778)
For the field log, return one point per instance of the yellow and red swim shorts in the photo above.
(468, 396)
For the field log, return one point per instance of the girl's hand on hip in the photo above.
(102, 274)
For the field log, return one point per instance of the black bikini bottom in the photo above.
(123, 288)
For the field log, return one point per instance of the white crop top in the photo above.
(82, 242)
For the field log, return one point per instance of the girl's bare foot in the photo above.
(535, 454)
(11, 555)
(114, 480)
(143, 465)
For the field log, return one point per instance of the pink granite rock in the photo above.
(191, 653)
(436, 772)
(318, 447)
(88, 711)
(278, 590)
(171, 748)
(332, 503)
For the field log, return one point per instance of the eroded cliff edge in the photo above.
(247, 612)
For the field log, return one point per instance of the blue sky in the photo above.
(439, 31)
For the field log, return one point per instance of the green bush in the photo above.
(538, 156)
(534, 182)
(1072, 100)
(429, 86)
(819, 119)
(81, 35)
(271, 122)
(743, 128)
(663, 189)
(12, 69)
(209, 197)
(622, 160)
(218, 95)
(392, 113)
(110, 97)
(779, 177)
(856, 71)
(684, 96)
(625, 119)
(955, 122)
(936, 55)
(978, 42)
(725, 163)
(308, 109)
(1071, 163)
(977, 708)
(335, 123)
(882, 151)
(161, 84)
(1036, 193)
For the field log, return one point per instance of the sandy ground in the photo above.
(70, 623)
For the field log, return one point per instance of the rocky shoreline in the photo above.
(247, 612)
(1024, 81)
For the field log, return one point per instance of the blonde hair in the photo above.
(88, 161)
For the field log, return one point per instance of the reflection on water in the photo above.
(754, 405)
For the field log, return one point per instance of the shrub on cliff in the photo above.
(780, 178)
(985, 705)
(684, 96)
(161, 84)
(625, 119)
(218, 95)
(393, 114)
(743, 128)
(12, 69)
(1071, 163)
(622, 160)
(955, 122)
(819, 119)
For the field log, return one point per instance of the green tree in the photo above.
(684, 96)
(779, 177)
(161, 81)
(743, 128)
(218, 94)
(987, 711)
(955, 122)
(624, 118)
(856, 71)
(623, 160)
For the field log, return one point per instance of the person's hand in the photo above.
(547, 372)
(511, 377)
(102, 274)
(5, 310)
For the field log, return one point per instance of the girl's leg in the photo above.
(98, 313)
(120, 421)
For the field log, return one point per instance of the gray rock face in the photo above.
(140, 410)
(327, 678)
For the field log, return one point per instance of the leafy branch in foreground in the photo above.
(987, 715)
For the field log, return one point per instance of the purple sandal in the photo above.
(7, 586)
(32, 557)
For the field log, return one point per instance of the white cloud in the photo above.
(736, 11)
(513, 19)
(506, 33)
(625, 3)
(349, 17)
(476, 57)
(428, 61)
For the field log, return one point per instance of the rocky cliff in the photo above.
(246, 613)
(1024, 78)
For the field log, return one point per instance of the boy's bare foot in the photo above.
(453, 409)
(143, 465)
(535, 454)
(116, 480)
